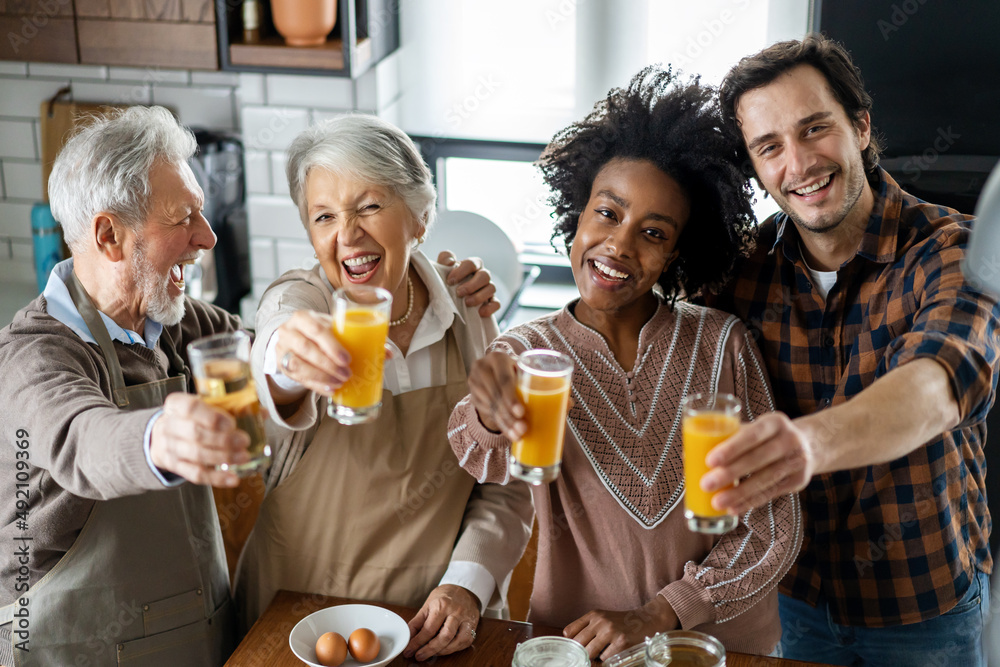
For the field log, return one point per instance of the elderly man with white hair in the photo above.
(111, 557)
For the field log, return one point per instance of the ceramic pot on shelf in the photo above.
(304, 22)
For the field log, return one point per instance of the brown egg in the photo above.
(331, 649)
(364, 645)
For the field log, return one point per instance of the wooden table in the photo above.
(267, 643)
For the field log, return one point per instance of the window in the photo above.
(494, 74)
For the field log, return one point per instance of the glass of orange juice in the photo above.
(707, 420)
(360, 324)
(221, 368)
(544, 378)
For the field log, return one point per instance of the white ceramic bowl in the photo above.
(392, 632)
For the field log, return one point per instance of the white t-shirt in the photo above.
(823, 281)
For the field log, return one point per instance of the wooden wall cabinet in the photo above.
(178, 34)
(191, 34)
(37, 31)
(147, 33)
(366, 32)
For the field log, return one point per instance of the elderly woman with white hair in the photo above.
(378, 511)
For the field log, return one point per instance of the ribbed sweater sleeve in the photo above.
(747, 563)
(481, 452)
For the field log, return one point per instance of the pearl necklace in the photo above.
(409, 304)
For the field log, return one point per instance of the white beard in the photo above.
(160, 307)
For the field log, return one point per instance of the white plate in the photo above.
(392, 631)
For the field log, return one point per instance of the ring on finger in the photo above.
(285, 359)
(472, 631)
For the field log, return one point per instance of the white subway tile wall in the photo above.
(320, 92)
(379, 86)
(279, 178)
(114, 93)
(22, 98)
(251, 90)
(231, 79)
(209, 108)
(295, 255)
(263, 261)
(272, 128)
(274, 216)
(17, 139)
(15, 221)
(39, 70)
(149, 75)
(257, 170)
(267, 110)
(22, 180)
(22, 251)
(320, 116)
(13, 69)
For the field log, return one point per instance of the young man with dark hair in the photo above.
(884, 365)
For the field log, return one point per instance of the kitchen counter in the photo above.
(266, 645)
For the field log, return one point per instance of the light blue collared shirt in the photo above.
(59, 304)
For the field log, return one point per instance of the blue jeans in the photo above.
(953, 639)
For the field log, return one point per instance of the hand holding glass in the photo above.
(544, 379)
(361, 325)
(707, 420)
(221, 367)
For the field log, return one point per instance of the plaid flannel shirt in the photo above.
(898, 542)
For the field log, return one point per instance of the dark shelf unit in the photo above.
(366, 32)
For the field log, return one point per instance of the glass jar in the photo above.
(550, 652)
(684, 648)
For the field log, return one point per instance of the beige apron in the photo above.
(145, 582)
(371, 511)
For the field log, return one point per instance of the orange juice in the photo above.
(545, 402)
(228, 385)
(702, 432)
(362, 332)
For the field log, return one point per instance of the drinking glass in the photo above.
(221, 368)
(684, 648)
(550, 652)
(544, 378)
(361, 325)
(707, 420)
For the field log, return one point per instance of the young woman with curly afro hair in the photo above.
(653, 205)
(683, 135)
